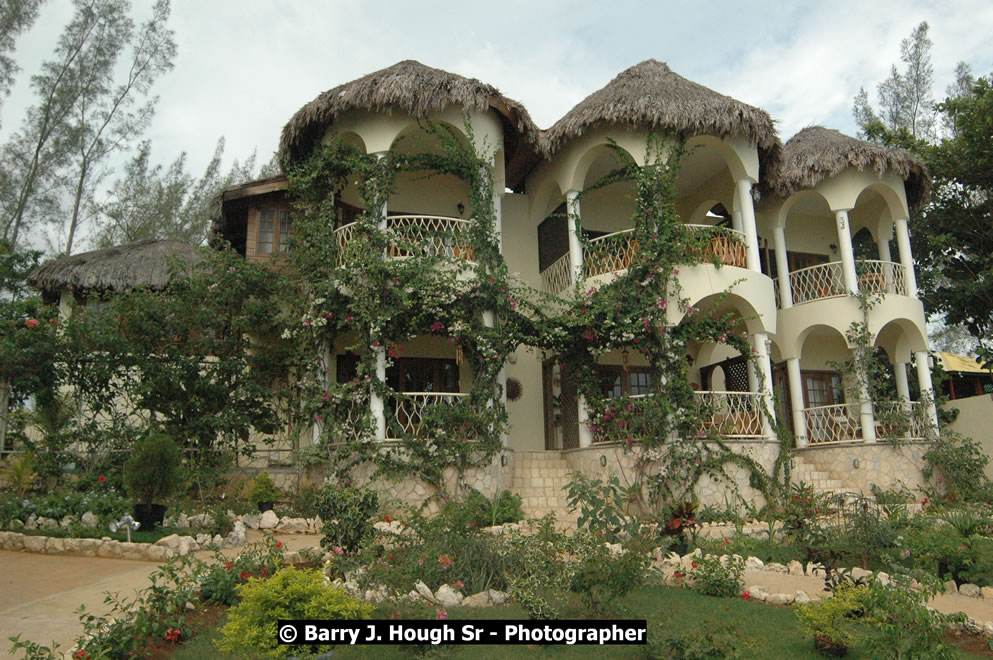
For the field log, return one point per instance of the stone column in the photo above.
(906, 258)
(845, 249)
(796, 401)
(575, 229)
(744, 188)
(866, 418)
(782, 268)
(763, 378)
(927, 390)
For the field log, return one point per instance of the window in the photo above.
(822, 388)
(615, 382)
(423, 375)
(274, 231)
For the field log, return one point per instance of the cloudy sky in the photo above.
(245, 66)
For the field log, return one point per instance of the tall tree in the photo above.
(16, 16)
(105, 119)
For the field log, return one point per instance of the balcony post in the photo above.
(906, 258)
(782, 268)
(582, 413)
(763, 379)
(383, 213)
(575, 230)
(902, 385)
(796, 401)
(736, 223)
(498, 219)
(866, 417)
(744, 188)
(847, 254)
(927, 390)
(883, 246)
(376, 404)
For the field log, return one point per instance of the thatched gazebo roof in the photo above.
(115, 269)
(817, 153)
(417, 90)
(650, 95)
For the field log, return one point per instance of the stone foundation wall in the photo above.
(709, 492)
(860, 466)
(490, 480)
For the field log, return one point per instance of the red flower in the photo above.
(391, 556)
(677, 575)
(693, 564)
(279, 544)
(726, 541)
(101, 478)
(227, 566)
(265, 571)
(31, 323)
(244, 575)
(173, 635)
(445, 561)
(387, 518)
(81, 655)
(746, 595)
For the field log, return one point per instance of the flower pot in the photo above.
(264, 506)
(149, 515)
(830, 648)
(679, 548)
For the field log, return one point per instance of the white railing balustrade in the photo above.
(838, 423)
(901, 420)
(726, 244)
(558, 277)
(817, 282)
(731, 414)
(881, 277)
(610, 253)
(431, 235)
(410, 408)
(346, 421)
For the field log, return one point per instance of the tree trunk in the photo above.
(75, 207)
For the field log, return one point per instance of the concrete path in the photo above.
(39, 594)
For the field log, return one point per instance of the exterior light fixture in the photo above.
(503, 460)
(855, 463)
(461, 208)
(756, 195)
(603, 460)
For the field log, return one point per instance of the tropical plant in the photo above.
(152, 472)
(263, 489)
(18, 472)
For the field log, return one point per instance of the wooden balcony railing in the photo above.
(732, 414)
(558, 277)
(410, 235)
(837, 423)
(410, 408)
(610, 253)
(726, 244)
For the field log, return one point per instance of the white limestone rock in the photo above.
(986, 593)
(883, 578)
(31, 522)
(780, 599)
(859, 573)
(758, 592)
(67, 521)
(269, 520)
(475, 601)
(774, 567)
(425, 592)
(202, 539)
(251, 520)
(970, 590)
(238, 536)
(35, 543)
(794, 568)
(447, 596)
(801, 597)
(754, 564)
(182, 521)
(180, 545)
(950, 587)
(498, 597)
(89, 519)
(394, 527)
(55, 546)
(292, 525)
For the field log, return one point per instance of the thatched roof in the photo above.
(650, 95)
(145, 263)
(816, 153)
(418, 90)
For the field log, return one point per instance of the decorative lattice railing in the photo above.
(410, 409)
(838, 423)
(610, 253)
(726, 244)
(556, 278)
(347, 420)
(817, 282)
(901, 420)
(731, 414)
(881, 277)
(410, 235)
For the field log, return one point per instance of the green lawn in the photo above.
(762, 631)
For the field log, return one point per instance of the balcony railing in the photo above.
(837, 423)
(732, 414)
(903, 420)
(410, 408)
(881, 277)
(410, 235)
(556, 278)
(726, 244)
(817, 282)
(610, 253)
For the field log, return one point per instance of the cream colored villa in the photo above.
(804, 225)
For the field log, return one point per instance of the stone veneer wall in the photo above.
(708, 491)
(490, 480)
(881, 464)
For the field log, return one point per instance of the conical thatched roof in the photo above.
(145, 263)
(418, 90)
(816, 153)
(650, 95)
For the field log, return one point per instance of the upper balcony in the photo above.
(414, 235)
(827, 280)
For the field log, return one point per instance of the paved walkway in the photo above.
(39, 594)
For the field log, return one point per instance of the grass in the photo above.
(762, 631)
(138, 536)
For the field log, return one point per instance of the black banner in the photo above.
(395, 631)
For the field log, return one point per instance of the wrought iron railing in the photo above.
(610, 253)
(556, 278)
(410, 409)
(837, 423)
(343, 236)
(817, 282)
(731, 414)
(726, 244)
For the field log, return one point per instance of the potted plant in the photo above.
(263, 492)
(151, 475)
(828, 619)
(682, 519)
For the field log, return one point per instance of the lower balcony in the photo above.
(894, 420)
(411, 410)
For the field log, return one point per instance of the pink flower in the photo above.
(436, 326)
(440, 613)
(31, 324)
(173, 635)
(101, 478)
(338, 550)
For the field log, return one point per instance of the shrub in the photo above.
(601, 506)
(152, 472)
(19, 473)
(290, 594)
(711, 641)
(829, 619)
(712, 578)
(600, 576)
(902, 627)
(959, 462)
(263, 490)
(347, 514)
(504, 508)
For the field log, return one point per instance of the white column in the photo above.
(883, 246)
(575, 245)
(867, 419)
(927, 390)
(315, 432)
(585, 434)
(782, 268)
(763, 378)
(736, 223)
(376, 403)
(744, 187)
(498, 219)
(902, 386)
(906, 258)
(502, 382)
(845, 249)
(796, 401)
